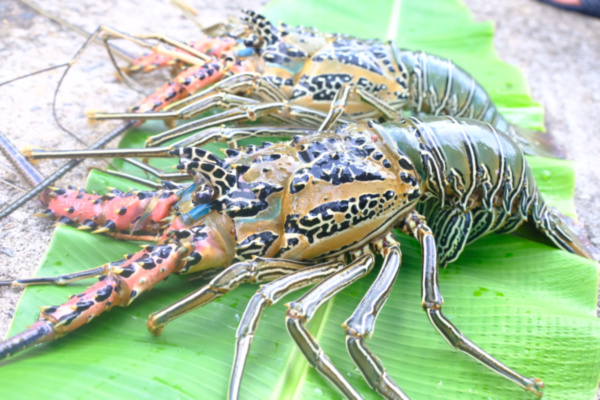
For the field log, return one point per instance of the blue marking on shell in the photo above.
(197, 212)
(245, 52)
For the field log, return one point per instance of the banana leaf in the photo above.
(530, 305)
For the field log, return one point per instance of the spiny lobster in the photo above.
(296, 74)
(321, 195)
(291, 74)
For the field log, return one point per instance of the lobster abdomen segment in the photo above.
(476, 181)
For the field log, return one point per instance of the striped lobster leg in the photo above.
(357, 327)
(432, 302)
(301, 311)
(362, 322)
(266, 296)
(186, 96)
(258, 270)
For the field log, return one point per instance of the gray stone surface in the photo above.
(559, 52)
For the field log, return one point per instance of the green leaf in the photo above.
(530, 305)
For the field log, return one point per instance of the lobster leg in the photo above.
(338, 107)
(249, 83)
(194, 57)
(384, 108)
(432, 302)
(247, 112)
(212, 134)
(254, 271)
(244, 113)
(219, 100)
(186, 108)
(235, 133)
(302, 310)
(339, 103)
(179, 45)
(266, 296)
(163, 176)
(362, 323)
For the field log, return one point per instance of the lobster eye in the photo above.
(204, 195)
(252, 41)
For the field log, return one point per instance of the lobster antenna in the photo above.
(392, 30)
(90, 37)
(118, 51)
(21, 164)
(110, 48)
(34, 73)
(67, 65)
(63, 170)
(62, 78)
(188, 11)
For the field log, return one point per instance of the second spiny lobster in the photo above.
(305, 77)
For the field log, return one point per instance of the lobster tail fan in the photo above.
(569, 235)
(536, 143)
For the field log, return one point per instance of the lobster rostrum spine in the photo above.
(442, 180)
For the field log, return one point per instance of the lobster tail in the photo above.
(536, 143)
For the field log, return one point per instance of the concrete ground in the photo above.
(558, 52)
